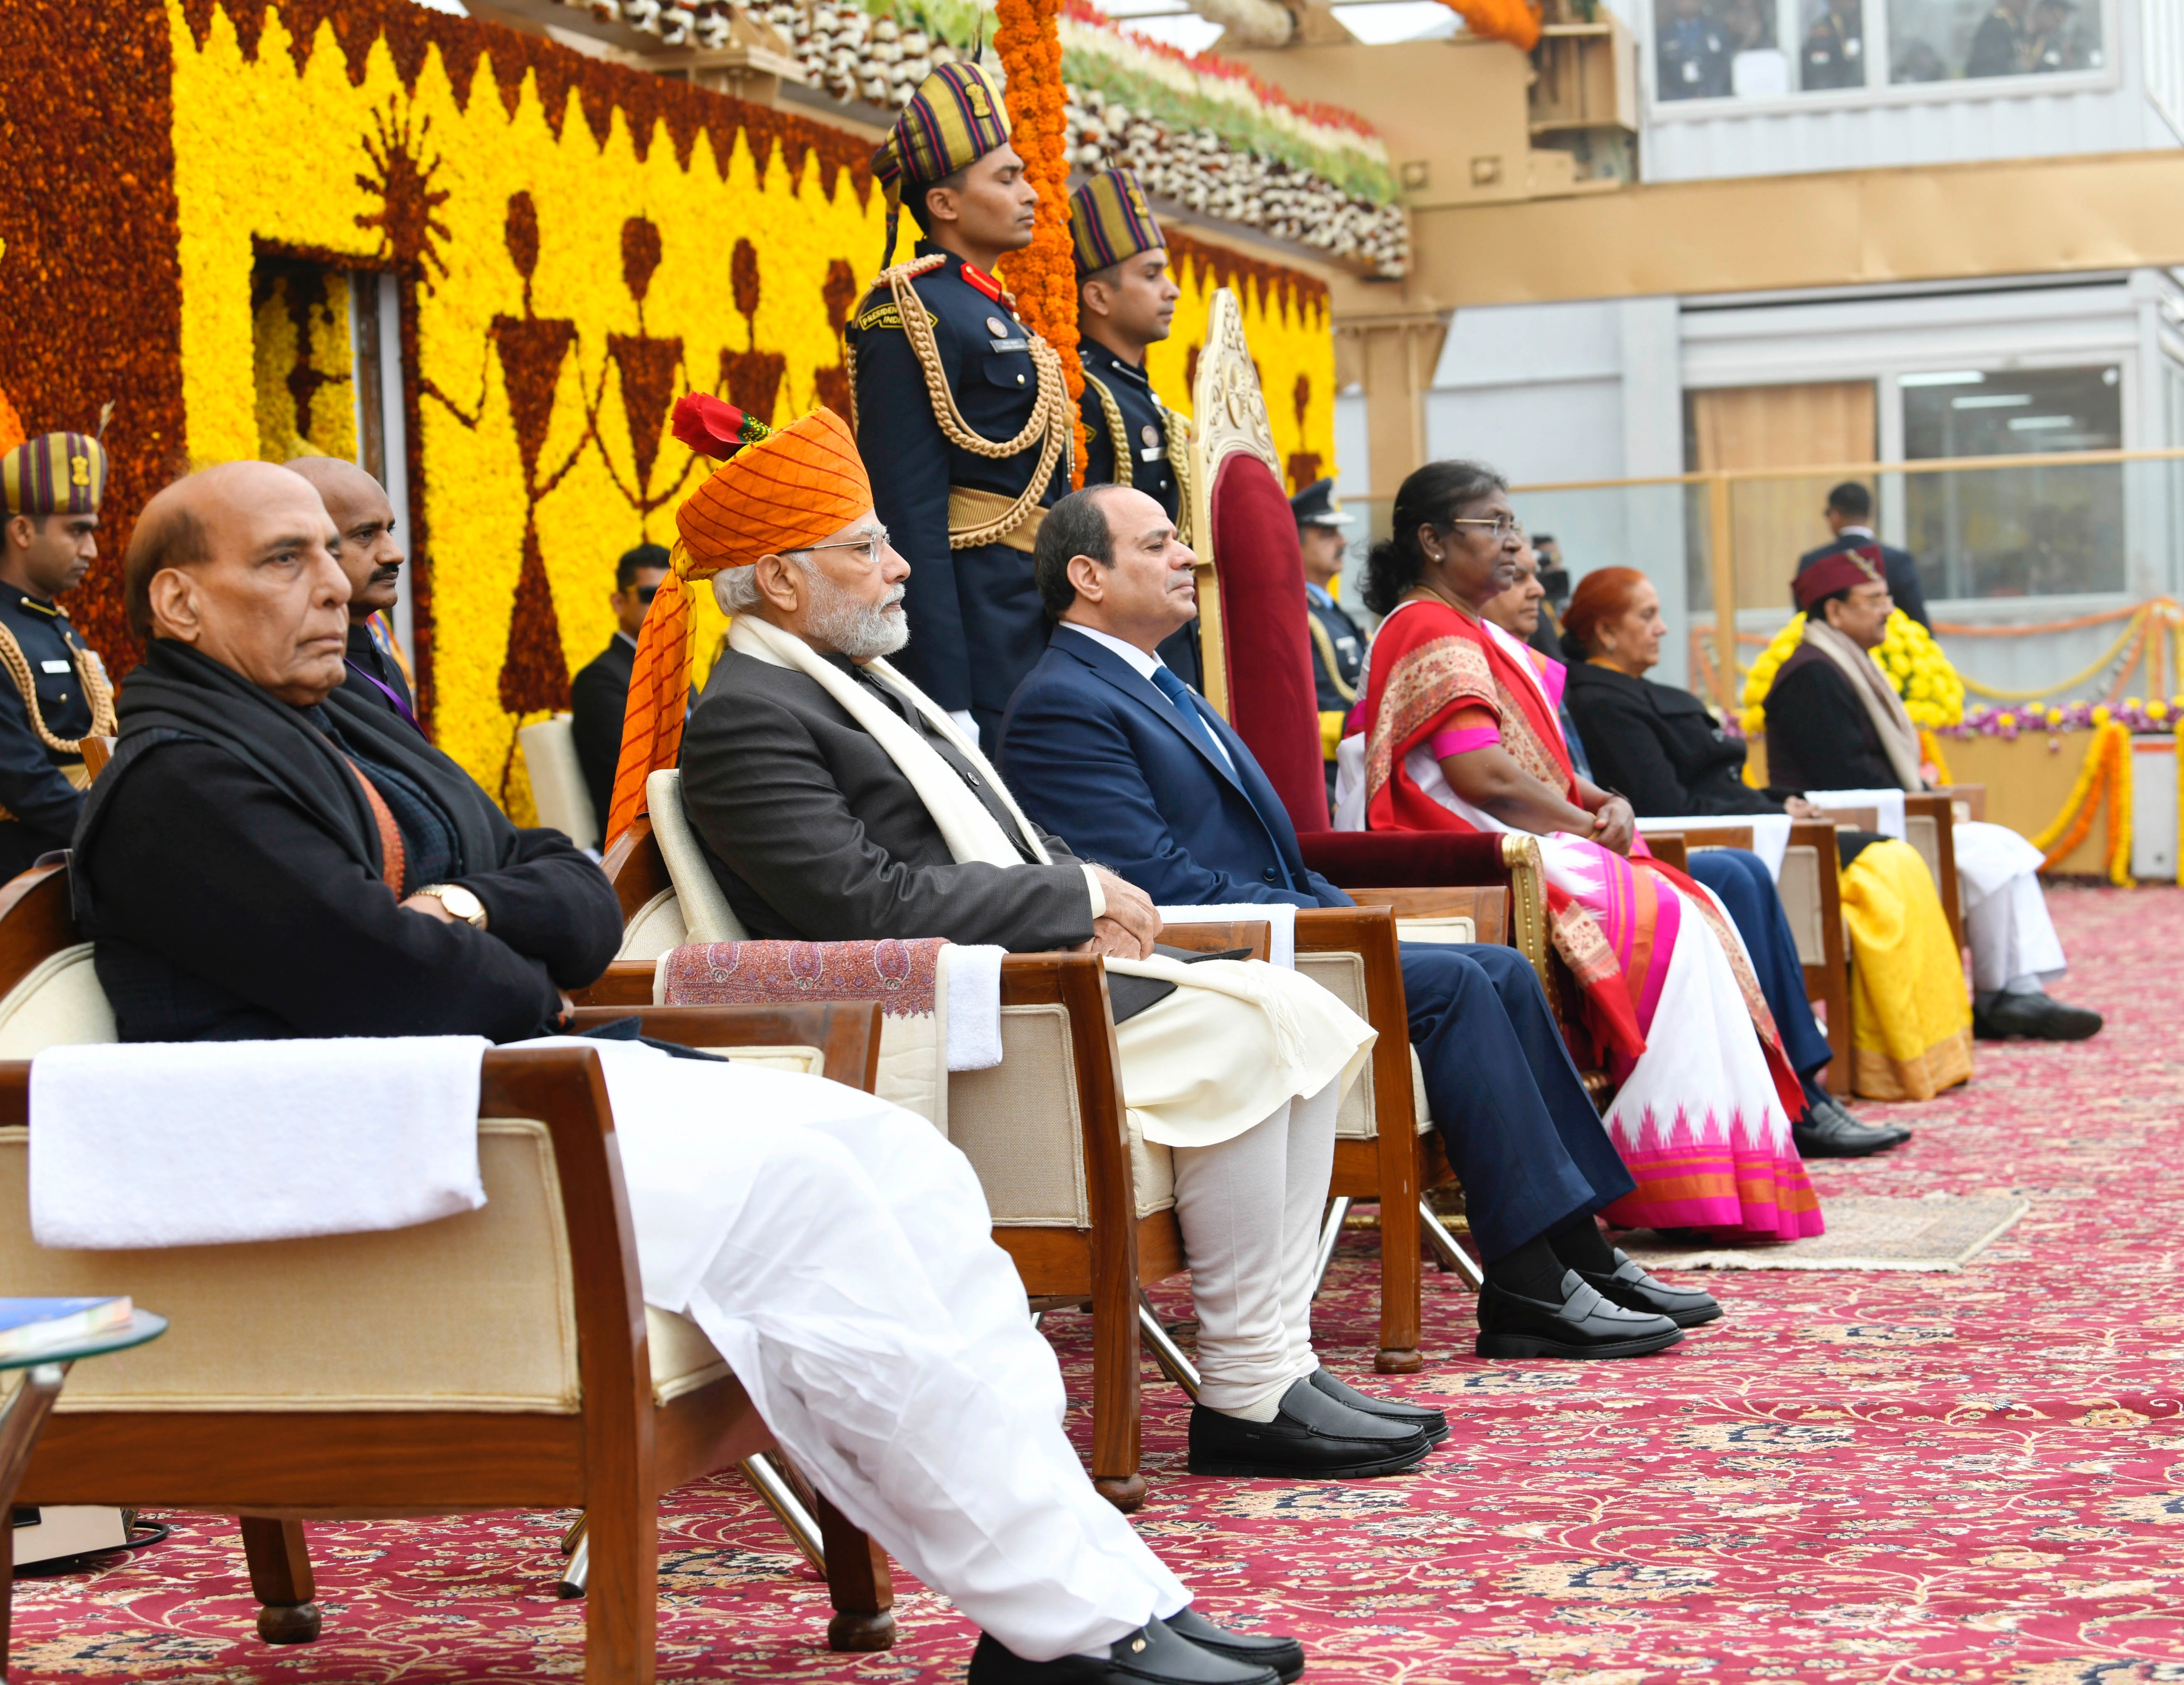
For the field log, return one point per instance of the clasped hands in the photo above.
(1127, 930)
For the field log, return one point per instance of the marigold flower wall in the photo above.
(566, 291)
(573, 245)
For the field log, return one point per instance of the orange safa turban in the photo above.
(777, 492)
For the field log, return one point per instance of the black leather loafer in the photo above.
(1831, 1133)
(1311, 1437)
(1154, 1654)
(1635, 1287)
(1430, 1423)
(2037, 1017)
(1586, 1325)
(1254, 1650)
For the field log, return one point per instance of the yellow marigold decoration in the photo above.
(2105, 778)
(1932, 692)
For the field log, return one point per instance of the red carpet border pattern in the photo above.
(1888, 1477)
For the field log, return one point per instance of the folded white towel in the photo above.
(1888, 806)
(1281, 949)
(1770, 832)
(209, 1143)
(972, 974)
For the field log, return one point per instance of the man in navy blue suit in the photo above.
(1849, 515)
(1104, 745)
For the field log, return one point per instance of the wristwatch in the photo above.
(459, 901)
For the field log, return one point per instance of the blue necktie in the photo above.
(1186, 705)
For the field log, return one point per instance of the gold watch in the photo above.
(459, 901)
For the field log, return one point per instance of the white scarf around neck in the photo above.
(1898, 735)
(972, 834)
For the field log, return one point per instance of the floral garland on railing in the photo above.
(2104, 779)
(2132, 713)
(1932, 691)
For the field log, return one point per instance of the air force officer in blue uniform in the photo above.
(1107, 747)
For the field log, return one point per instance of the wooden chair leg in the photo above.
(1115, 1401)
(280, 1579)
(859, 1584)
(1402, 1283)
(621, 1597)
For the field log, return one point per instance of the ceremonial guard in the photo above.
(962, 414)
(59, 694)
(1338, 643)
(1125, 301)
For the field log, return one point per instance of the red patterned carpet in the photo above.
(1976, 1477)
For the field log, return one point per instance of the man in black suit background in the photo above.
(1849, 516)
(598, 695)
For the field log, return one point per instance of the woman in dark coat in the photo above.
(1660, 750)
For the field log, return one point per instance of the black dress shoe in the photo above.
(1635, 1287)
(2038, 1017)
(1285, 1655)
(1430, 1423)
(1832, 1132)
(1311, 1437)
(1154, 1654)
(1585, 1324)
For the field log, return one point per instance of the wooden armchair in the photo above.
(1812, 898)
(1083, 1205)
(406, 1410)
(1929, 826)
(504, 1358)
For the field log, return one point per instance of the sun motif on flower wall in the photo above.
(409, 227)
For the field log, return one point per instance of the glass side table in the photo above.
(26, 1413)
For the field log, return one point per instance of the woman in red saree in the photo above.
(1461, 733)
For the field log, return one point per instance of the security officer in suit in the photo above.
(599, 696)
(1125, 301)
(1835, 49)
(1849, 516)
(59, 693)
(962, 414)
(1338, 643)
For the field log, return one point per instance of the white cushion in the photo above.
(557, 780)
(58, 1004)
(706, 915)
(655, 928)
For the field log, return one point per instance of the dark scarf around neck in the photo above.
(179, 694)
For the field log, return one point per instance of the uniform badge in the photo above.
(885, 315)
(994, 326)
(1148, 434)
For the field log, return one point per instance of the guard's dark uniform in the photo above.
(69, 681)
(1128, 443)
(976, 625)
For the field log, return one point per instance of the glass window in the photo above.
(2022, 532)
(1758, 49)
(1939, 41)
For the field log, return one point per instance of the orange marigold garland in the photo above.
(1515, 21)
(1042, 276)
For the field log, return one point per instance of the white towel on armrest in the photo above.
(972, 975)
(203, 1144)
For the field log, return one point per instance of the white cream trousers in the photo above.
(838, 1254)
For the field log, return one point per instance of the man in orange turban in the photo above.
(836, 800)
(779, 493)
